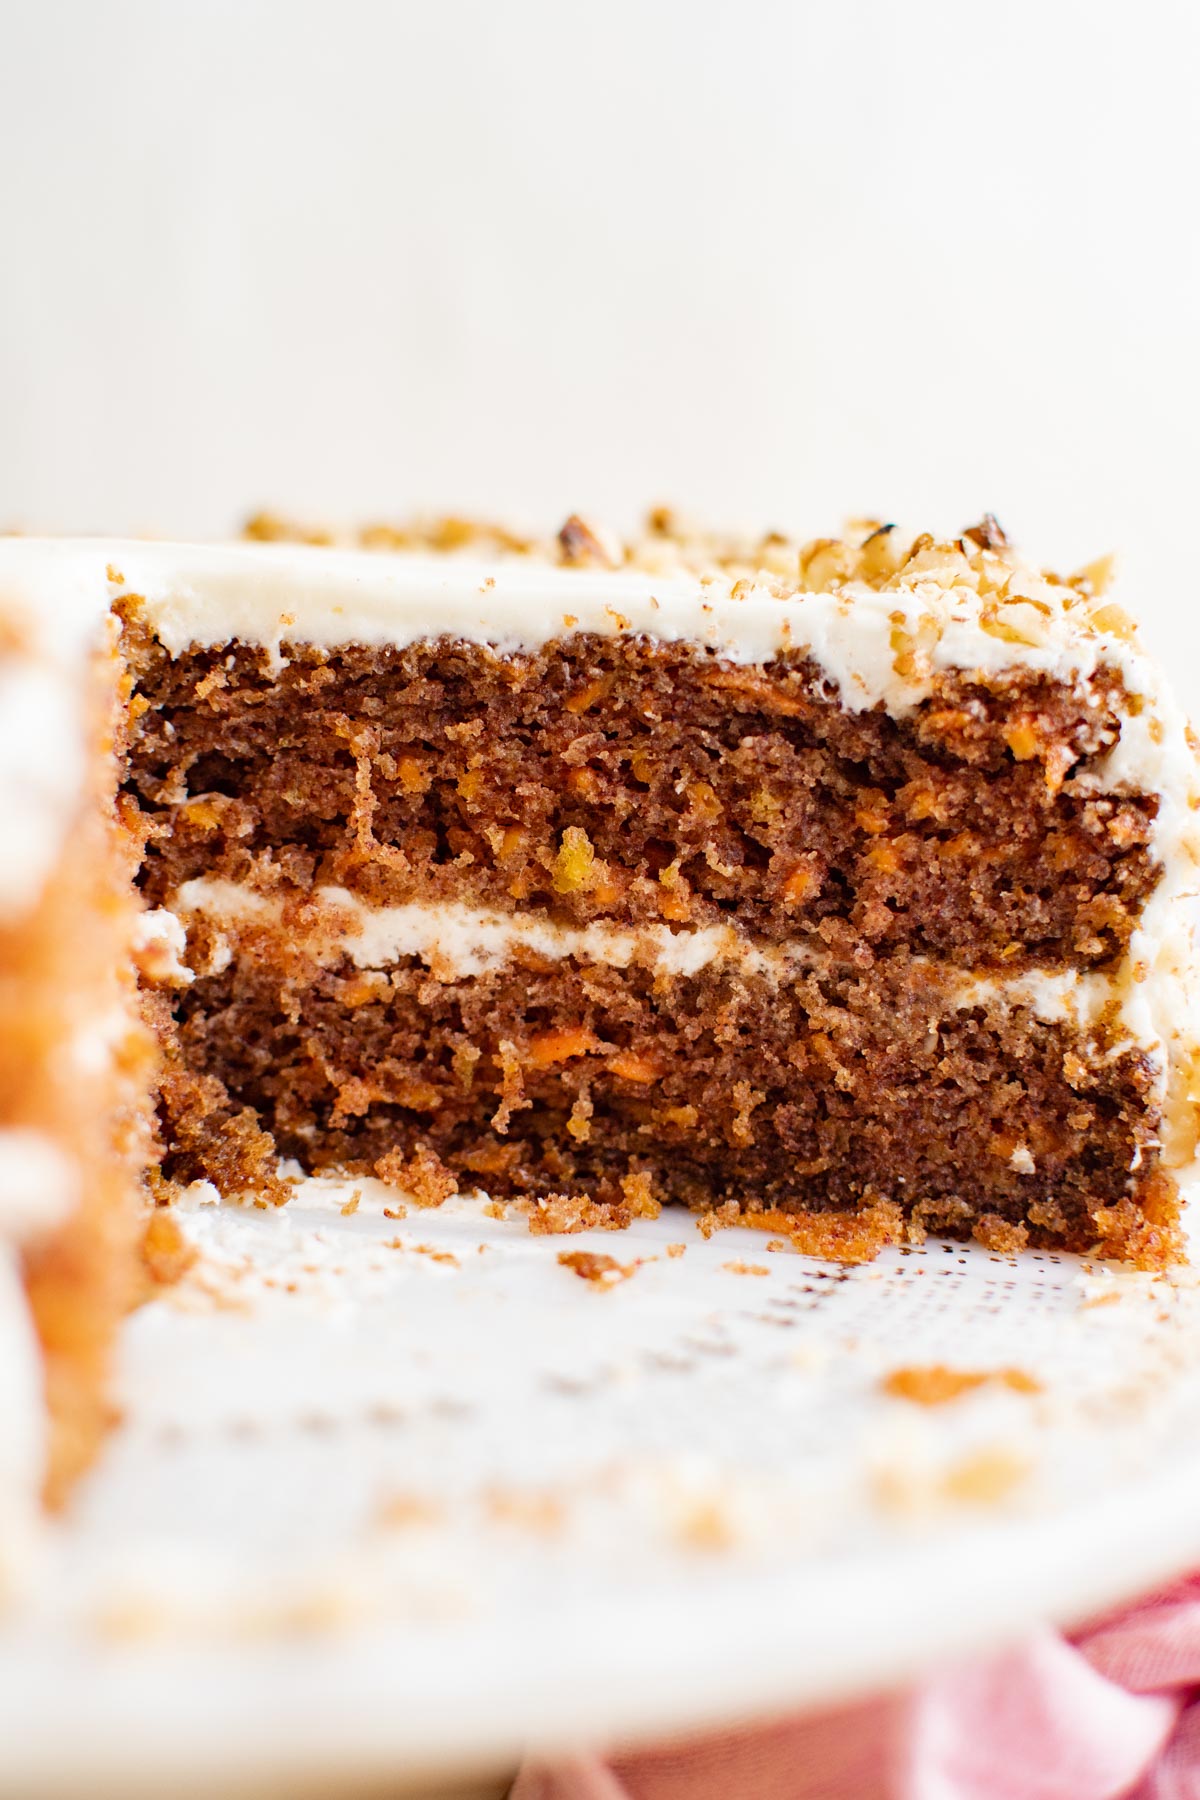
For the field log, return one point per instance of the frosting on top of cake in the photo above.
(880, 633)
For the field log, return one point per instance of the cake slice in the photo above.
(842, 884)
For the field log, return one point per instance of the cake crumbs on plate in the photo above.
(738, 1267)
(705, 1525)
(935, 1384)
(554, 1215)
(402, 1511)
(437, 1255)
(984, 1477)
(835, 1237)
(593, 1266)
(423, 1176)
(542, 1513)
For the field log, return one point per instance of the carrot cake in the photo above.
(843, 886)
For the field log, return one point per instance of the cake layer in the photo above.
(640, 782)
(832, 1089)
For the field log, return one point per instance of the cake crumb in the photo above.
(639, 1196)
(603, 1271)
(402, 1511)
(423, 1176)
(438, 1256)
(835, 1237)
(399, 1211)
(1090, 1302)
(352, 1204)
(985, 1477)
(738, 1267)
(705, 1525)
(995, 1233)
(676, 1249)
(552, 1215)
(934, 1384)
(134, 1619)
(542, 1514)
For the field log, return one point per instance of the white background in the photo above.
(775, 263)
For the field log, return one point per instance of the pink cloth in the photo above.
(1113, 1711)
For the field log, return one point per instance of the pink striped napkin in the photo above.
(1113, 1711)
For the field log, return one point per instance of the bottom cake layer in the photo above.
(832, 1092)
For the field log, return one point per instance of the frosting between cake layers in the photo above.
(460, 942)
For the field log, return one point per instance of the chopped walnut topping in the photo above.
(988, 534)
(584, 543)
(979, 565)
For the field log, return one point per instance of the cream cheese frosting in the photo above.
(457, 942)
(875, 645)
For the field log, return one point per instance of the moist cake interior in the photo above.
(803, 888)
